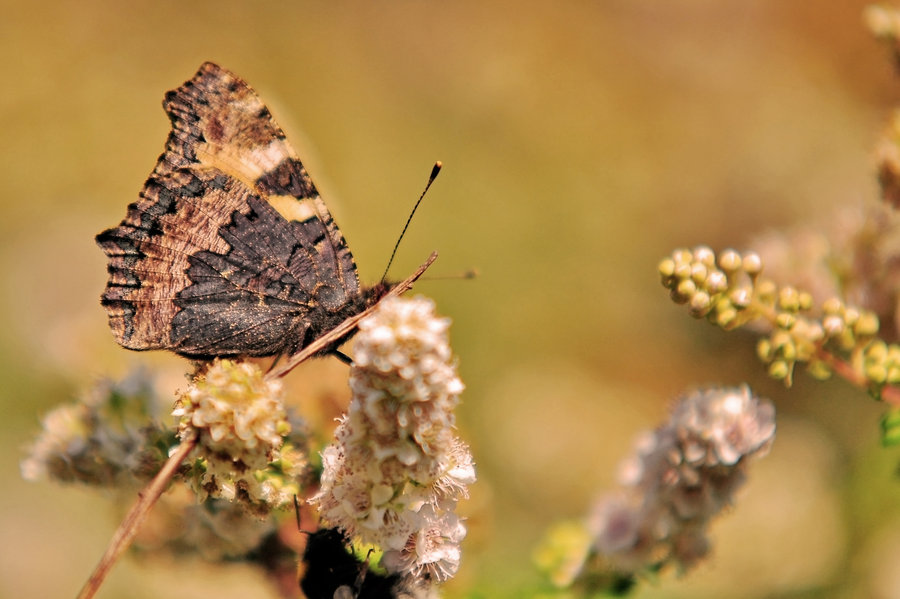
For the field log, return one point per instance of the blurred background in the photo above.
(582, 141)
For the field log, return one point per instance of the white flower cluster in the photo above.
(110, 437)
(396, 470)
(681, 476)
(241, 422)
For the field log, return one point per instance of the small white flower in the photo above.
(432, 550)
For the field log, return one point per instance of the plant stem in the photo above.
(845, 370)
(129, 527)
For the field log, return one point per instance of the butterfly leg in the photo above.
(342, 357)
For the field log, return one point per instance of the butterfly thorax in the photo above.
(368, 296)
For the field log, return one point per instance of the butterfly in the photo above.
(229, 249)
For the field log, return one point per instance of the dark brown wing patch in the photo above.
(229, 249)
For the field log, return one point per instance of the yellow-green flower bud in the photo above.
(716, 282)
(780, 338)
(730, 261)
(876, 351)
(867, 325)
(819, 370)
(876, 372)
(785, 320)
(893, 374)
(766, 290)
(833, 305)
(814, 331)
(698, 273)
(666, 268)
(788, 351)
(833, 325)
(683, 271)
(805, 300)
(725, 315)
(779, 370)
(890, 427)
(892, 353)
(704, 255)
(741, 297)
(686, 289)
(700, 303)
(789, 299)
(682, 256)
(752, 263)
(876, 357)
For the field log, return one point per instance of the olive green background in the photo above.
(581, 140)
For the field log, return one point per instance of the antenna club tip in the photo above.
(435, 170)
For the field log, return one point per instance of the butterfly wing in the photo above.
(229, 249)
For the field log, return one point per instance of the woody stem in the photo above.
(130, 526)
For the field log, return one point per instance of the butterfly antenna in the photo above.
(472, 273)
(434, 173)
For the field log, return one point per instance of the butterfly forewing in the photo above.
(229, 249)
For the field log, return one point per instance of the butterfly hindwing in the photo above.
(229, 249)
